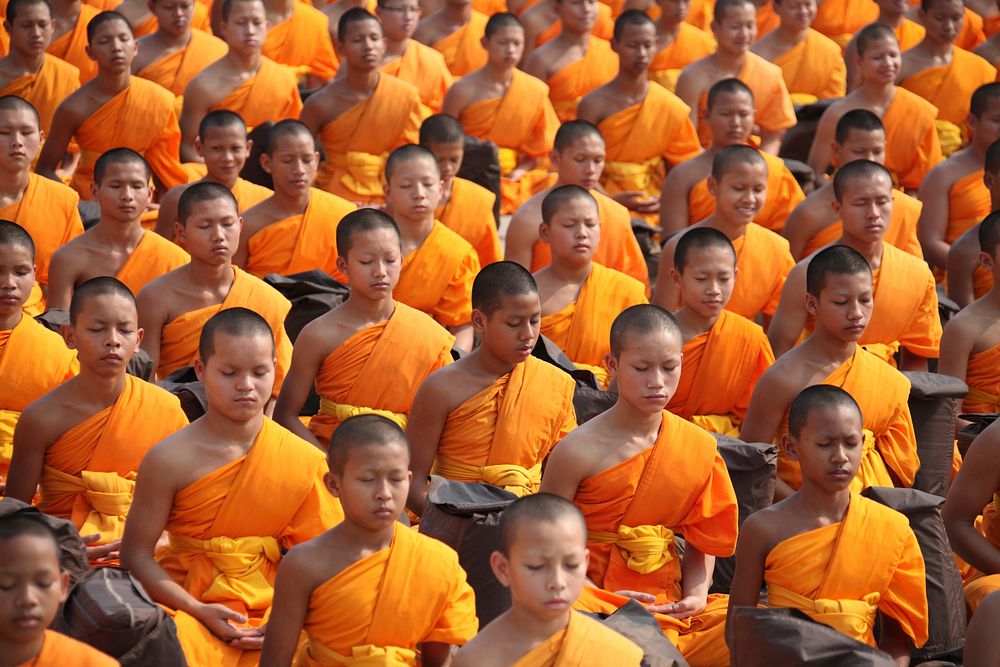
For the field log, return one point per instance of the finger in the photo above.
(89, 539)
(249, 643)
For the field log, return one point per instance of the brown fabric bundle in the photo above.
(934, 401)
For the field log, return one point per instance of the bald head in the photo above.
(573, 131)
(864, 170)
(730, 156)
(536, 509)
(286, 128)
(235, 322)
(14, 234)
(363, 431)
(700, 238)
(726, 87)
(639, 321)
(15, 103)
(95, 287)
(872, 33)
(814, 398)
(361, 221)
(497, 281)
(837, 260)
(559, 197)
(862, 120)
(408, 153)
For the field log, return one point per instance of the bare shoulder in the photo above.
(43, 416)
(308, 562)
(489, 648)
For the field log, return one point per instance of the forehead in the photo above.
(662, 341)
(847, 282)
(246, 8)
(638, 30)
(826, 417)
(18, 117)
(15, 252)
(225, 133)
(577, 206)
(733, 99)
(742, 169)
(379, 238)
(125, 169)
(107, 306)
(857, 135)
(519, 302)
(507, 32)
(363, 25)
(251, 348)
(587, 143)
(445, 146)
(712, 254)
(367, 454)
(33, 8)
(217, 206)
(418, 165)
(43, 550)
(880, 45)
(741, 12)
(297, 140)
(876, 183)
(565, 533)
(112, 26)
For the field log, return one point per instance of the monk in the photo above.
(456, 31)
(81, 443)
(912, 145)
(640, 474)
(294, 229)
(244, 80)
(546, 529)
(501, 103)
(117, 245)
(811, 63)
(115, 110)
(27, 71)
(409, 60)
(145, 21)
(714, 338)
(545, 19)
(578, 158)
(222, 142)
(678, 42)
(30, 562)
(809, 548)
(905, 317)
(967, 279)
(647, 129)
(908, 33)
(176, 52)
(739, 183)
(354, 354)
(729, 115)
(735, 27)
(352, 588)
(814, 223)
(202, 485)
(361, 115)
(298, 36)
(334, 10)
(69, 35)
(493, 415)
(579, 297)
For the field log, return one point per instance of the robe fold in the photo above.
(840, 19)
(968, 203)
(598, 65)
(249, 194)
(767, 19)
(46, 88)
(763, 261)
(469, 213)
(689, 45)
(584, 641)
(972, 34)
(983, 377)
(502, 434)
(200, 22)
(912, 144)
(71, 46)
(813, 69)
(437, 277)
(902, 231)
(59, 649)
(271, 94)
(153, 257)
(302, 42)
(909, 33)
(175, 70)
(977, 584)
(423, 67)
(463, 49)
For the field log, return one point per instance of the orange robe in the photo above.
(423, 67)
(303, 43)
(463, 49)
(379, 369)
(367, 608)
(720, 370)
(153, 257)
(469, 213)
(141, 117)
(604, 26)
(991, 25)
(835, 576)
(767, 19)
(200, 21)
(972, 33)
(912, 144)
(249, 194)
(46, 88)
(902, 231)
(689, 45)
(699, 15)
(358, 141)
(968, 203)
(175, 71)
(598, 65)
(977, 584)
(58, 649)
(763, 261)
(584, 641)
(840, 19)
(89, 471)
(301, 242)
(437, 277)
(983, 377)
(272, 94)
(72, 46)
(909, 34)
(502, 434)
(813, 69)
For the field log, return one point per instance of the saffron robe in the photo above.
(469, 213)
(153, 257)
(272, 94)
(598, 65)
(968, 203)
(463, 49)
(763, 260)
(302, 42)
(912, 144)
(983, 377)
(909, 34)
(977, 584)
(813, 69)
(902, 231)
(583, 641)
(72, 45)
(767, 19)
(689, 45)
(175, 71)
(425, 68)
(437, 277)
(840, 19)
(58, 649)
(200, 21)
(249, 194)
(46, 88)
(972, 33)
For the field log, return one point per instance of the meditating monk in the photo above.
(409, 60)
(117, 245)
(298, 36)
(456, 31)
(679, 42)
(549, 532)
(967, 279)
(176, 52)
(808, 548)
(334, 10)
(202, 486)
(640, 474)
(545, 19)
(493, 415)
(69, 36)
(145, 21)
(352, 589)
(909, 33)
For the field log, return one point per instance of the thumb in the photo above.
(232, 615)
(90, 539)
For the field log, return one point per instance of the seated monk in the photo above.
(361, 115)
(353, 354)
(466, 208)
(809, 548)
(176, 52)
(501, 103)
(729, 115)
(117, 245)
(892, 13)
(578, 158)
(293, 230)
(811, 63)
(679, 43)
(814, 223)
(409, 60)
(547, 529)
(244, 81)
(456, 31)
(545, 19)
(493, 415)
(971, 29)
(967, 279)
(580, 297)
(990, 49)
(734, 28)
(905, 317)
(912, 145)
(222, 142)
(114, 110)
(202, 485)
(641, 475)
(145, 21)
(81, 443)
(647, 129)
(334, 10)
(298, 36)
(70, 19)
(352, 589)
(714, 338)
(835, 276)
(739, 183)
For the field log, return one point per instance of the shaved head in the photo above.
(535, 509)
(95, 287)
(641, 320)
(817, 397)
(498, 280)
(236, 322)
(363, 431)
(837, 260)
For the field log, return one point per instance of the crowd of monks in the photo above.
(736, 219)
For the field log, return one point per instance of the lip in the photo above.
(840, 474)
(581, 247)
(380, 286)
(383, 512)
(220, 249)
(655, 397)
(249, 400)
(556, 604)
(298, 182)
(112, 358)
(27, 622)
(9, 299)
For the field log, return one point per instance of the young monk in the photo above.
(408, 59)
(912, 145)
(501, 103)
(114, 110)
(578, 157)
(814, 223)
(735, 27)
(35, 586)
(456, 31)
(493, 415)
(298, 35)
(544, 20)
(809, 549)
(118, 245)
(352, 588)
(892, 13)
(647, 129)
(678, 42)
(354, 354)
(145, 21)
(69, 36)
(906, 317)
(203, 486)
(244, 80)
(967, 279)
(175, 53)
(640, 474)
(222, 143)
(729, 115)
(361, 115)
(739, 184)
(549, 533)
(81, 443)
(294, 229)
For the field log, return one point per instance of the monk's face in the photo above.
(574, 232)
(123, 191)
(843, 307)
(239, 376)
(880, 61)
(648, 369)
(373, 485)
(372, 264)
(225, 150)
(865, 207)
(740, 192)
(992, 183)
(362, 45)
(674, 11)
(17, 276)
(731, 119)
(892, 7)
(449, 158)
(943, 20)
(32, 587)
(706, 283)
(399, 18)
(986, 128)
(211, 232)
(20, 139)
(414, 191)
(113, 46)
(505, 47)
(246, 27)
(860, 145)
(737, 29)
(173, 16)
(105, 335)
(509, 333)
(292, 163)
(582, 163)
(796, 14)
(577, 15)
(829, 447)
(31, 30)
(636, 48)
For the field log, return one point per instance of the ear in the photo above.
(199, 369)
(500, 565)
(249, 146)
(93, 190)
(484, 43)
(331, 484)
(713, 186)
(835, 151)
(988, 180)
(675, 277)
(812, 304)
(199, 147)
(554, 159)
(986, 260)
(544, 233)
(179, 232)
(68, 332)
(341, 264)
(63, 585)
(41, 137)
(971, 121)
(139, 333)
(478, 320)
(265, 162)
(835, 205)
(611, 364)
(790, 446)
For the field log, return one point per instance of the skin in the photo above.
(706, 285)
(20, 140)
(578, 18)
(30, 35)
(173, 33)
(796, 16)
(980, 637)
(399, 21)
(964, 252)
(454, 15)
(573, 234)
(943, 22)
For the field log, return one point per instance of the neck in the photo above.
(229, 430)
(730, 60)
(362, 79)
(113, 82)
(395, 47)
(666, 28)
(819, 502)
(891, 20)
(247, 61)
(499, 73)
(114, 233)
(282, 8)
(792, 34)
(292, 201)
(28, 62)
(22, 652)
(210, 275)
(489, 363)
(414, 231)
(630, 420)
(870, 250)
(173, 39)
(14, 183)
(229, 183)
(936, 48)
(104, 389)
(66, 8)
(830, 347)
(370, 541)
(372, 310)
(11, 320)
(634, 83)
(565, 272)
(457, 13)
(733, 230)
(878, 91)
(534, 628)
(692, 321)
(569, 37)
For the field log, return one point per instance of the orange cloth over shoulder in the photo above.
(909, 34)
(272, 94)
(72, 45)
(972, 33)
(767, 19)
(469, 213)
(153, 257)
(463, 49)
(763, 260)
(249, 194)
(840, 19)
(979, 585)
(58, 649)
(175, 71)
(689, 45)
(201, 22)
(814, 68)
(598, 65)
(912, 144)
(584, 641)
(46, 88)
(950, 87)
(425, 68)
(983, 377)
(968, 203)
(302, 42)
(902, 231)
(437, 277)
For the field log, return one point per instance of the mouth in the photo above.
(27, 622)
(558, 603)
(841, 474)
(380, 286)
(384, 512)
(220, 249)
(10, 300)
(655, 397)
(112, 358)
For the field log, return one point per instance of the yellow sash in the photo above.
(8, 420)
(363, 173)
(106, 498)
(974, 396)
(854, 618)
(951, 136)
(343, 411)
(508, 160)
(644, 548)
(519, 481)
(802, 99)
(634, 175)
(721, 424)
(236, 565)
(317, 654)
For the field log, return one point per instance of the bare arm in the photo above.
(534, 65)
(687, 90)
(766, 409)
(770, 140)
(167, 215)
(665, 293)
(696, 577)
(790, 318)
(972, 489)
(674, 211)
(522, 234)
(464, 337)
(306, 361)
(933, 222)
(30, 443)
(821, 150)
(62, 279)
(152, 318)
(799, 228)
(435, 654)
(751, 552)
(963, 260)
(193, 110)
(894, 641)
(64, 124)
(242, 254)
(292, 590)
(423, 429)
(564, 471)
(454, 100)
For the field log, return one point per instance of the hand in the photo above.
(683, 608)
(637, 200)
(101, 554)
(219, 620)
(637, 596)
(515, 175)
(252, 641)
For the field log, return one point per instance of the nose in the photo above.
(839, 454)
(244, 382)
(7, 280)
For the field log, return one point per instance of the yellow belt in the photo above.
(802, 99)
(633, 175)
(317, 654)
(884, 351)
(508, 160)
(343, 411)
(721, 424)
(645, 548)
(980, 396)
(108, 494)
(8, 420)
(236, 566)
(854, 618)
(519, 481)
(950, 136)
(363, 174)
